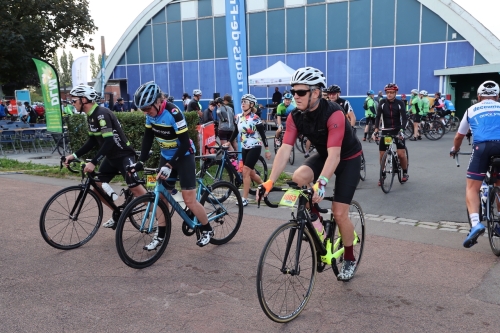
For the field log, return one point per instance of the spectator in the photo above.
(277, 96)
(379, 96)
(67, 109)
(21, 111)
(3, 112)
(208, 113)
(228, 101)
(31, 113)
(185, 100)
(40, 110)
(403, 98)
(225, 117)
(120, 105)
(102, 103)
(194, 104)
(324, 94)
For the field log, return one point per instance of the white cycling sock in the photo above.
(474, 219)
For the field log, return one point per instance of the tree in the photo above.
(94, 66)
(55, 63)
(64, 74)
(37, 28)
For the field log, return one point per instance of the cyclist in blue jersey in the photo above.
(445, 107)
(168, 126)
(483, 119)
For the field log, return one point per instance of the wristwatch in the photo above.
(322, 182)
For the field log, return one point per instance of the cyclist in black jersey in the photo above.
(115, 151)
(333, 92)
(194, 104)
(338, 151)
(392, 111)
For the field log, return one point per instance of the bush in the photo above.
(133, 126)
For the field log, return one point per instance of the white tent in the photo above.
(278, 74)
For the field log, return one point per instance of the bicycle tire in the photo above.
(455, 122)
(270, 274)
(61, 148)
(362, 122)
(408, 131)
(276, 147)
(400, 171)
(370, 132)
(357, 218)
(493, 221)
(298, 144)
(64, 233)
(130, 240)
(291, 158)
(303, 146)
(434, 130)
(261, 170)
(386, 172)
(223, 197)
(362, 173)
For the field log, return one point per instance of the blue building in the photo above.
(431, 45)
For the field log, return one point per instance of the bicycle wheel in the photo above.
(291, 158)
(210, 174)
(63, 146)
(362, 122)
(276, 146)
(362, 173)
(298, 144)
(357, 218)
(131, 239)
(282, 292)
(224, 199)
(408, 132)
(454, 122)
(261, 170)
(370, 132)
(494, 221)
(434, 130)
(62, 230)
(386, 172)
(303, 146)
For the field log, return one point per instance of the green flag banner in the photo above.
(49, 82)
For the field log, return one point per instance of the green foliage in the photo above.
(65, 69)
(36, 94)
(94, 67)
(37, 28)
(133, 125)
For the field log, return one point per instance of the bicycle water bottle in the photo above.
(484, 191)
(234, 162)
(109, 190)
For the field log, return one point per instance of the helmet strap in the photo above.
(309, 106)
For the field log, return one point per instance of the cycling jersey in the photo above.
(371, 110)
(252, 131)
(194, 105)
(483, 119)
(102, 124)
(325, 127)
(393, 114)
(283, 111)
(166, 128)
(344, 104)
(425, 106)
(416, 104)
(449, 105)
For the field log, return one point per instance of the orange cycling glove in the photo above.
(267, 186)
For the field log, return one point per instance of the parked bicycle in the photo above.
(293, 254)
(277, 144)
(390, 166)
(432, 129)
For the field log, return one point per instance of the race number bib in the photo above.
(151, 181)
(388, 140)
(290, 198)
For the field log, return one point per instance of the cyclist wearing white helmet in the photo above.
(416, 111)
(253, 137)
(166, 124)
(115, 151)
(483, 119)
(426, 105)
(338, 151)
(194, 104)
(282, 112)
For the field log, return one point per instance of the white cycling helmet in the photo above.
(249, 97)
(488, 88)
(146, 95)
(309, 76)
(414, 91)
(424, 92)
(85, 91)
(196, 92)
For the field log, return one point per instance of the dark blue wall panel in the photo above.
(206, 38)
(120, 72)
(133, 52)
(222, 80)
(272, 59)
(407, 68)
(359, 24)
(359, 72)
(275, 4)
(276, 32)
(146, 45)
(220, 38)
(160, 42)
(123, 60)
(408, 22)
(257, 33)
(174, 41)
(256, 65)
(147, 73)
(452, 31)
(296, 61)
(459, 54)
(383, 22)
(317, 60)
(479, 59)
(160, 17)
(189, 42)
(431, 58)
(316, 38)
(161, 77)
(191, 76)
(337, 69)
(204, 8)
(295, 30)
(382, 67)
(175, 79)
(433, 27)
(207, 78)
(174, 12)
(133, 80)
(337, 21)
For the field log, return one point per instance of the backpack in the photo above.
(365, 105)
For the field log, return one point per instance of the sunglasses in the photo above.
(73, 101)
(245, 101)
(300, 93)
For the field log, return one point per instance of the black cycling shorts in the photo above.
(417, 118)
(184, 170)
(346, 176)
(109, 168)
(480, 159)
(370, 120)
(400, 144)
(225, 135)
(444, 113)
(251, 156)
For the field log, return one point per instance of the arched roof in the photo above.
(486, 43)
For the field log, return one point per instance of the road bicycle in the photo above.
(390, 164)
(138, 224)
(63, 145)
(72, 216)
(219, 166)
(294, 252)
(432, 129)
(450, 121)
(362, 171)
(277, 144)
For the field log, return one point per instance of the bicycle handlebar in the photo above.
(307, 191)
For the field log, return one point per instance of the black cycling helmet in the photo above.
(170, 99)
(333, 89)
(219, 100)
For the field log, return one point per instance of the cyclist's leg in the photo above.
(400, 146)
(250, 158)
(308, 147)
(108, 170)
(131, 179)
(416, 125)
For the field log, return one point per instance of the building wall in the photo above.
(359, 45)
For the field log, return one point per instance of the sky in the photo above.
(112, 17)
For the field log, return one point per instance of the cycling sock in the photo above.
(349, 253)
(162, 231)
(365, 135)
(206, 227)
(405, 171)
(319, 228)
(474, 219)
